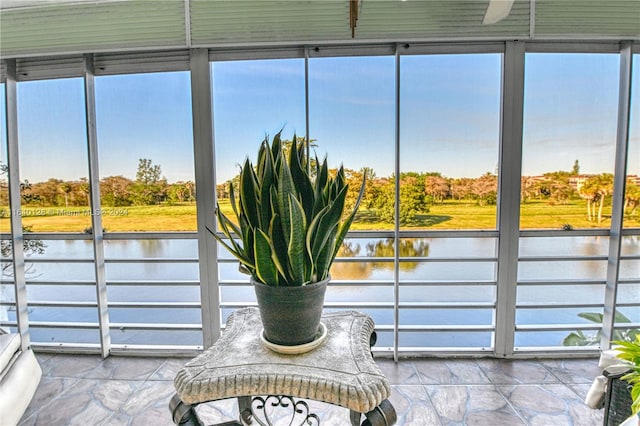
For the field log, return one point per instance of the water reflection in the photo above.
(152, 248)
(379, 249)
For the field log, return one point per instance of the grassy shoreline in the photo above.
(449, 215)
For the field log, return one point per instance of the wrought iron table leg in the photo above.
(183, 414)
(354, 417)
(383, 415)
(244, 408)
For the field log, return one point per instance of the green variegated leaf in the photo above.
(229, 229)
(248, 195)
(232, 199)
(266, 183)
(279, 246)
(276, 145)
(296, 247)
(329, 219)
(247, 239)
(321, 185)
(302, 183)
(233, 248)
(265, 268)
(284, 190)
(323, 259)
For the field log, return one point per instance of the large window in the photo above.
(251, 100)
(449, 140)
(632, 194)
(53, 156)
(569, 141)
(570, 117)
(55, 198)
(351, 110)
(629, 291)
(146, 152)
(145, 147)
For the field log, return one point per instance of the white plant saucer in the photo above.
(296, 349)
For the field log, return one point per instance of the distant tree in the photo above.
(149, 188)
(412, 199)
(116, 191)
(595, 189)
(631, 198)
(180, 192)
(45, 193)
(436, 187)
(461, 188)
(485, 188)
(557, 187)
(561, 192)
(65, 188)
(82, 188)
(576, 168)
(148, 173)
(385, 198)
(375, 192)
(368, 199)
(354, 180)
(529, 189)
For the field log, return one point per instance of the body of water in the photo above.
(440, 271)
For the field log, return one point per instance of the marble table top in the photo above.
(340, 371)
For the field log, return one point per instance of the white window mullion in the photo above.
(15, 203)
(396, 222)
(96, 219)
(509, 196)
(617, 210)
(204, 163)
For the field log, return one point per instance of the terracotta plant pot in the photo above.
(290, 314)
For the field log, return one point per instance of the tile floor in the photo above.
(87, 390)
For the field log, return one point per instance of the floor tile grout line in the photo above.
(155, 371)
(515, 410)
(426, 393)
(484, 373)
(566, 384)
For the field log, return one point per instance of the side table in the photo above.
(341, 371)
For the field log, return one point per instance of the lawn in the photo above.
(449, 215)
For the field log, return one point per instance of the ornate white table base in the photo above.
(341, 371)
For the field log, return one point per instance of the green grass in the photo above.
(449, 215)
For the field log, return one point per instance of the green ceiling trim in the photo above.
(91, 27)
(588, 18)
(69, 27)
(251, 21)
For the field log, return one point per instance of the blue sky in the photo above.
(449, 120)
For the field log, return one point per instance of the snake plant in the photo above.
(290, 222)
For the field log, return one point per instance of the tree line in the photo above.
(419, 191)
(148, 188)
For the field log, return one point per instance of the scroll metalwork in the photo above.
(282, 409)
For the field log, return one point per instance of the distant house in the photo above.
(577, 182)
